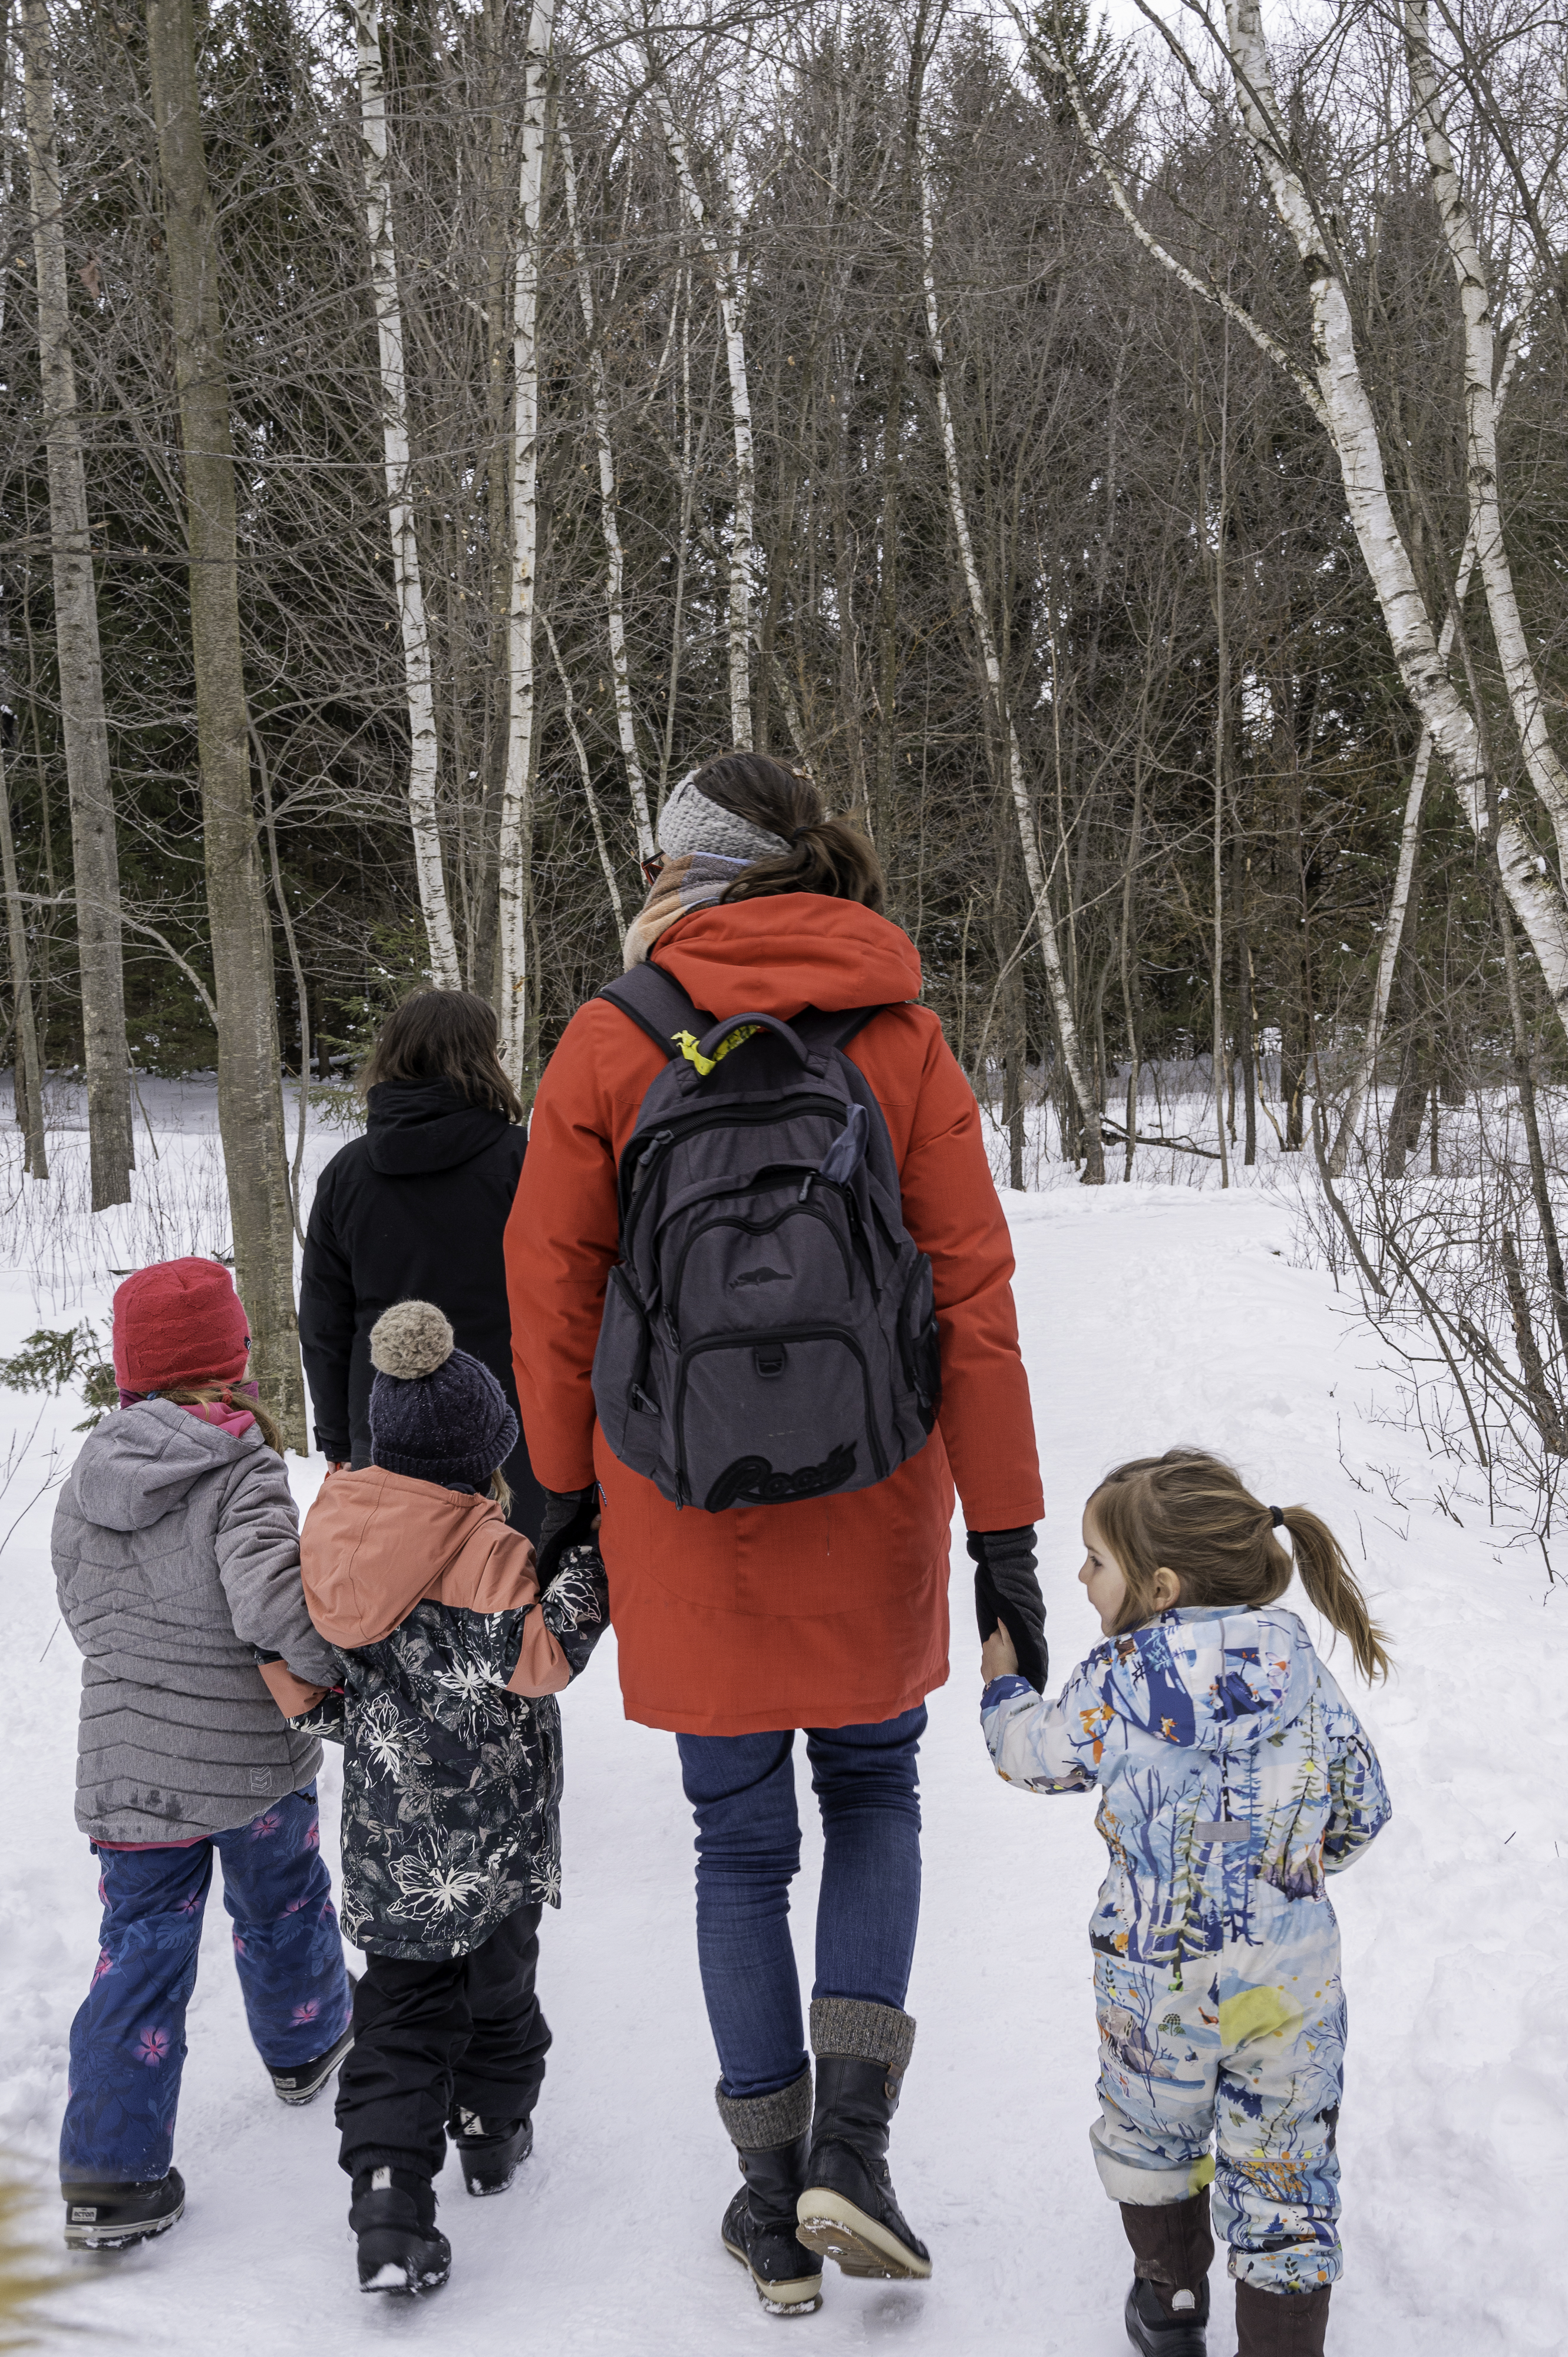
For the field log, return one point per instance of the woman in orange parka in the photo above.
(829, 1614)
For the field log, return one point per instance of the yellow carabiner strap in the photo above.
(691, 1047)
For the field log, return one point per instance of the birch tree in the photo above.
(250, 1097)
(729, 285)
(1545, 770)
(424, 755)
(516, 840)
(1018, 783)
(1364, 1072)
(94, 855)
(1335, 389)
(615, 606)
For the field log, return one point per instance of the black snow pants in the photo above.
(430, 2039)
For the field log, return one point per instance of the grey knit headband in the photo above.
(689, 821)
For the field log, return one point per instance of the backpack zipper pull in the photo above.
(660, 1137)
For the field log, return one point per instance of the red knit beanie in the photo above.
(179, 1322)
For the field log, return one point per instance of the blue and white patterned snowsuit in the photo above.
(1234, 1776)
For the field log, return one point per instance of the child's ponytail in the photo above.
(222, 1396)
(1335, 1589)
(1191, 1514)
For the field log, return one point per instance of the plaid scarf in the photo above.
(698, 881)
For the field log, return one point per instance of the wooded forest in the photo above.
(1129, 472)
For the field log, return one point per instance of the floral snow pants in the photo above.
(127, 2042)
(1249, 2053)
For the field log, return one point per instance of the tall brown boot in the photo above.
(1173, 2250)
(1281, 2323)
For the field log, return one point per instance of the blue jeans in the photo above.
(127, 2042)
(742, 1790)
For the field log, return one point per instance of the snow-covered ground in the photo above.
(1150, 1314)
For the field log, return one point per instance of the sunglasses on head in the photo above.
(653, 866)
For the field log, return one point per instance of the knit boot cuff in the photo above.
(764, 2122)
(852, 2025)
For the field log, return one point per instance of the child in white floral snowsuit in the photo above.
(1234, 1777)
(453, 1643)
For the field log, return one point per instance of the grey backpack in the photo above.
(768, 1330)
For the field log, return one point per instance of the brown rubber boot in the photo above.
(1281, 2323)
(1173, 2249)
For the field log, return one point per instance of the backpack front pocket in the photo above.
(799, 1403)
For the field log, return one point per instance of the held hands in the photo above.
(998, 1656)
(571, 1519)
(1007, 1596)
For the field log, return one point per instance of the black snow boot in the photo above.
(769, 2133)
(103, 2216)
(1281, 2323)
(491, 2151)
(848, 2211)
(305, 2080)
(1173, 2250)
(392, 2214)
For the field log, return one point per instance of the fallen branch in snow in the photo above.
(1111, 1134)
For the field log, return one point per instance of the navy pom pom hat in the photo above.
(435, 1414)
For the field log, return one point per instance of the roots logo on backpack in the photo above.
(751, 1481)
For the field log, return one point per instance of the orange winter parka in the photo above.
(822, 1612)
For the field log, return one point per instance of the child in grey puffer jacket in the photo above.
(177, 1557)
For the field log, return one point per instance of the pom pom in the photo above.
(410, 1340)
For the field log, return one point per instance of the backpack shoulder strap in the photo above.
(656, 1003)
(836, 1027)
(851, 1024)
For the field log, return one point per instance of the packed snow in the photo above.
(1151, 1314)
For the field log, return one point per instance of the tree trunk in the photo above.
(1222, 752)
(250, 1098)
(1343, 406)
(516, 846)
(93, 853)
(614, 609)
(1547, 774)
(1023, 804)
(1365, 1075)
(28, 1076)
(729, 284)
(1336, 394)
(423, 753)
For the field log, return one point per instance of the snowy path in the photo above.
(1150, 1315)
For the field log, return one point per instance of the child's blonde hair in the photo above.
(1192, 1514)
(207, 1395)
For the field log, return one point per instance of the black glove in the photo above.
(1007, 1591)
(569, 1519)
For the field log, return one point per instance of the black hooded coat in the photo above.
(414, 1211)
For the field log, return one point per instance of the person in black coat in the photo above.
(417, 1210)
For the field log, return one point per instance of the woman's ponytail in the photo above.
(830, 855)
(1335, 1589)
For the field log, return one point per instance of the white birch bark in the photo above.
(728, 283)
(1535, 899)
(1546, 772)
(424, 755)
(1366, 1069)
(615, 608)
(595, 815)
(1023, 803)
(517, 811)
(1338, 397)
(94, 855)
